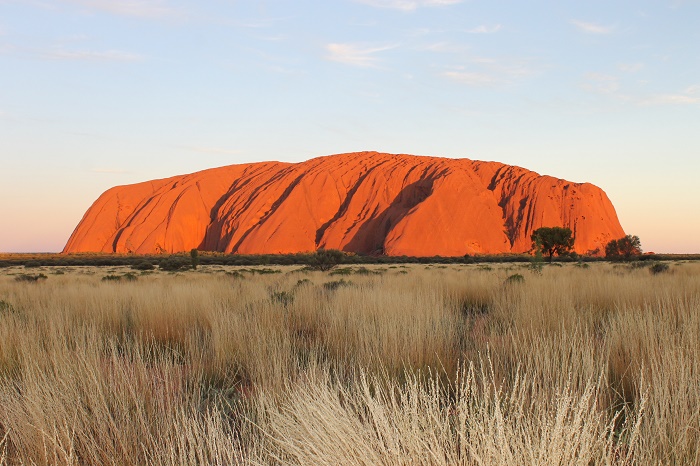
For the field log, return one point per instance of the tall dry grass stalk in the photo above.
(407, 365)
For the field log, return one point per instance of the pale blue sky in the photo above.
(95, 93)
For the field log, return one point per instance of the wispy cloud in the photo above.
(445, 47)
(408, 5)
(137, 8)
(609, 85)
(601, 83)
(486, 72)
(91, 55)
(592, 28)
(473, 79)
(485, 29)
(355, 55)
(693, 90)
(670, 99)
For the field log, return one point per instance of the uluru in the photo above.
(363, 202)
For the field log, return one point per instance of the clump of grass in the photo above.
(334, 285)
(175, 264)
(6, 308)
(658, 268)
(30, 278)
(143, 266)
(514, 279)
(129, 277)
(285, 298)
(263, 271)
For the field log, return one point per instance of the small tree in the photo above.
(537, 262)
(623, 248)
(194, 255)
(552, 240)
(326, 259)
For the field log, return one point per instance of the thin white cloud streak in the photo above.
(485, 29)
(610, 85)
(88, 55)
(601, 83)
(151, 9)
(693, 90)
(408, 5)
(445, 47)
(592, 28)
(489, 72)
(669, 99)
(352, 54)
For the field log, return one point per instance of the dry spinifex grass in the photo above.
(416, 365)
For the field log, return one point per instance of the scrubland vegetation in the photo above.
(587, 364)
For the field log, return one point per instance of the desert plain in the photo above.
(394, 364)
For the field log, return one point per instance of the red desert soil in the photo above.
(364, 202)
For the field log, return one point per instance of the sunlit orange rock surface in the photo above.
(364, 202)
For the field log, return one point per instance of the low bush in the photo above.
(30, 278)
(285, 298)
(175, 263)
(111, 278)
(658, 268)
(332, 286)
(144, 265)
(515, 278)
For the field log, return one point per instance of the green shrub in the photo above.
(194, 258)
(332, 286)
(326, 259)
(111, 278)
(658, 268)
(174, 263)
(474, 306)
(264, 271)
(285, 298)
(143, 265)
(515, 278)
(6, 308)
(30, 278)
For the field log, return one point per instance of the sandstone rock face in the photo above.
(365, 202)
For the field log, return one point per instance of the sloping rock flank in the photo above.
(365, 202)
